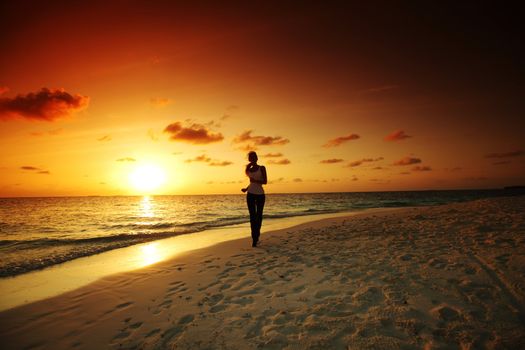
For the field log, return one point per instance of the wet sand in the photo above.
(434, 277)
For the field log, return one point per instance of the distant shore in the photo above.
(444, 276)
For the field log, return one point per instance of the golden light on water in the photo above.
(147, 178)
(146, 207)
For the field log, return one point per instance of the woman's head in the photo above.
(252, 157)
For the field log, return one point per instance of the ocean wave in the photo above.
(68, 228)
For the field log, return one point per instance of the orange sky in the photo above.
(354, 98)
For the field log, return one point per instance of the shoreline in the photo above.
(447, 276)
(63, 277)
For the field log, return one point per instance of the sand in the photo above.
(433, 277)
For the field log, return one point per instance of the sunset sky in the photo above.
(375, 97)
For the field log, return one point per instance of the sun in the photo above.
(146, 178)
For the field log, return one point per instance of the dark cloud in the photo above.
(220, 163)
(202, 158)
(516, 153)
(284, 161)
(407, 161)
(364, 160)
(27, 167)
(502, 162)
(194, 133)
(397, 135)
(280, 179)
(297, 179)
(45, 105)
(205, 159)
(272, 155)
(253, 141)
(340, 140)
(126, 159)
(104, 138)
(331, 161)
(35, 169)
(421, 168)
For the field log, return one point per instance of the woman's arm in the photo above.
(248, 166)
(264, 176)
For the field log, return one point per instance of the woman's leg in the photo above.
(251, 201)
(260, 207)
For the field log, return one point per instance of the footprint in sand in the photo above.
(446, 313)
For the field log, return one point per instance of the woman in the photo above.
(255, 196)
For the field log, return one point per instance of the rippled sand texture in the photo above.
(435, 277)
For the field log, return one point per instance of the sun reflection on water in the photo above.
(146, 207)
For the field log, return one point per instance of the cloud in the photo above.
(202, 158)
(253, 141)
(280, 179)
(421, 168)
(331, 161)
(126, 159)
(49, 132)
(516, 153)
(502, 162)
(194, 133)
(104, 138)
(205, 159)
(159, 101)
(407, 161)
(3, 90)
(454, 169)
(220, 163)
(340, 140)
(378, 168)
(35, 169)
(397, 135)
(272, 155)
(364, 160)
(284, 161)
(297, 179)
(45, 105)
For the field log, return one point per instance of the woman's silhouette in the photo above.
(255, 196)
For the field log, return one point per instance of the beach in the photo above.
(448, 276)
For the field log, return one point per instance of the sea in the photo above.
(39, 232)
